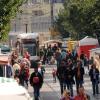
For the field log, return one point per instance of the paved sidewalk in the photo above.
(52, 90)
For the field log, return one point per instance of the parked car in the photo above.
(5, 49)
(11, 90)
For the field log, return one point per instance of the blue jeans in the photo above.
(79, 84)
(62, 86)
(70, 87)
(36, 92)
(95, 87)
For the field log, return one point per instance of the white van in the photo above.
(10, 90)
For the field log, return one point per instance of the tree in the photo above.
(81, 17)
(8, 10)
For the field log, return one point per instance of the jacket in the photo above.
(81, 74)
(36, 74)
(92, 75)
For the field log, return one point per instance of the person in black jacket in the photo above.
(62, 76)
(36, 81)
(94, 76)
(69, 79)
(79, 73)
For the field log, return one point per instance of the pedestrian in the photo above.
(86, 64)
(9, 71)
(94, 76)
(23, 74)
(81, 94)
(79, 73)
(49, 55)
(54, 71)
(62, 76)
(70, 79)
(63, 54)
(26, 76)
(26, 55)
(67, 96)
(58, 57)
(14, 57)
(41, 69)
(16, 69)
(82, 57)
(36, 81)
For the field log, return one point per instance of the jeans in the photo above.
(70, 87)
(95, 87)
(79, 84)
(36, 92)
(62, 86)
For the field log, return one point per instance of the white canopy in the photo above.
(88, 41)
(28, 36)
(96, 50)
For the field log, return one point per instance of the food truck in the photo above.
(29, 42)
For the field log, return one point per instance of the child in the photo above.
(54, 74)
(66, 96)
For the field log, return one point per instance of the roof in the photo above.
(53, 41)
(3, 59)
(88, 41)
(10, 88)
(96, 50)
(28, 36)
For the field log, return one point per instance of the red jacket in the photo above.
(79, 97)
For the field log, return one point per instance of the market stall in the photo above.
(53, 42)
(87, 44)
(3, 63)
(95, 53)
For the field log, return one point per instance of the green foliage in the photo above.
(79, 16)
(8, 10)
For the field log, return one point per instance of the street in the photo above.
(52, 90)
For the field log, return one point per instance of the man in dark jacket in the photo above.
(70, 79)
(36, 81)
(61, 76)
(79, 73)
(94, 76)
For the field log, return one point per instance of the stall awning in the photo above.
(3, 59)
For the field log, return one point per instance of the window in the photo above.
(36, 1)
(46, 1)
(38, 13)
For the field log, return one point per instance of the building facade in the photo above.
(35, 16)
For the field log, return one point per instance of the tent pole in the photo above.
(5, 71)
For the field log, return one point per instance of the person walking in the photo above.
(58, 57)
(94, 76)
(36, 81)
(54, 71)
(79, 73)
(41, 69)
(70, 79)
(62, 76)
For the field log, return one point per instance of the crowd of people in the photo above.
(70, 71)
(19, 69)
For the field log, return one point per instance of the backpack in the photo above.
(35, 79)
